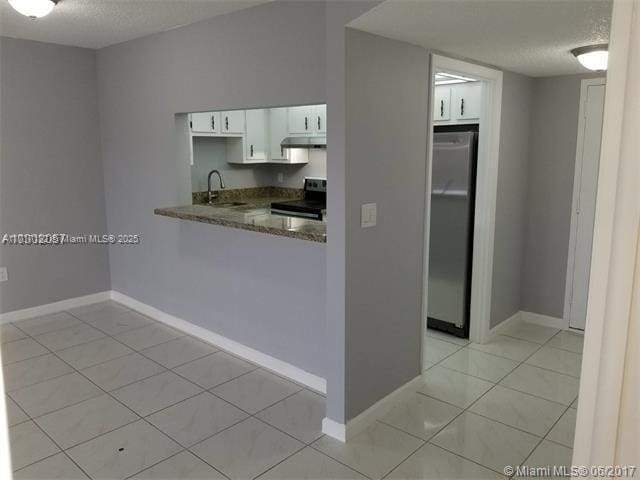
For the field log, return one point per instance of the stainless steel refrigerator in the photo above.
(451, 229)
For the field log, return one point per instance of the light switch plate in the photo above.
(280, 177)
(368, 215)
(3, 274)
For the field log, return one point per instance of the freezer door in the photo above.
(450, 227)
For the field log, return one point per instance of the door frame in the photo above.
(577, 174)
(486, 193)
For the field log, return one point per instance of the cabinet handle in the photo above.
(252, 150)
(213, 122)
(462, 106)
(306, 123)
(319, 122)
(226, 123)
(442, 108)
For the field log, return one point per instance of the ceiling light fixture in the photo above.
(593, 57)
(442, 78)
(33, 8)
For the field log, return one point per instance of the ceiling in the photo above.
(100, 23)
(532, 37)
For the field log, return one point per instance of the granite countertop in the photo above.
(250, 212)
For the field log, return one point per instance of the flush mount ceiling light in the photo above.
(593, 57)
(33, 8)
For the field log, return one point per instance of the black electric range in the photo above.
(312, 205)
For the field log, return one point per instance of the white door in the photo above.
(441, 103)
(468, 101)
(299, 120)
(205, 122)
(320, 119)
(256, 135)
(232, 121)
(584, 201)
(278, 131)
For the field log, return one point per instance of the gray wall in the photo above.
(338, 14)
(386, 102)
(263, 291)
(211, 152)
(50, 172)
(554, 132)
(511, 214)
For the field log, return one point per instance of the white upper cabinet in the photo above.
(256, 136)
(232, 121)
(308, 120)
(320, 119)
(300, 120)
(458, 103)
(468, 101)
(442, 103)
(205, 122)
(278, 131)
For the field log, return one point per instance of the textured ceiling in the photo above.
(532, 37)
(99, 23)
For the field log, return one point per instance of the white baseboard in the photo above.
(501, 327)
(334, 429)
(54, 307)
(343, 432)
(284, 369)
(544, 320)
(528, 317)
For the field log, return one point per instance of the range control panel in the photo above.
(315, 184)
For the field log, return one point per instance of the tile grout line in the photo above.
(467, 409)
(541, 440)
(60, 450)
(304, 444)
(302, 388)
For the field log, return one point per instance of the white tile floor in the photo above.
(103, 392)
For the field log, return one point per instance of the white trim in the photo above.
(529, 317)
(343, 432)
(607, 417)
(334, 429)
(54, 307)
(284, 369)
(486, 192)
(505, 325)
(584, 84)
(544, 320)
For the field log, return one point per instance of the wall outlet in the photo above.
(4, 276)
(368, 215)
(280, 177)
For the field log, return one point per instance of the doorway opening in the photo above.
(462, 184)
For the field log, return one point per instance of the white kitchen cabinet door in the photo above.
(205, 122)
(256, 136)
(278, 131)
(232, 121)
(320, 119)
(300, 120)
(442, 104)
(467, 101)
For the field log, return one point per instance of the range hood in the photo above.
(304, 142)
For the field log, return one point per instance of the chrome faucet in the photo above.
(213, 194)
